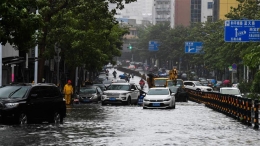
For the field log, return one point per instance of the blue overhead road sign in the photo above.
(193, 47)
(153, 46)
(242, 30)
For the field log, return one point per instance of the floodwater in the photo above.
(92, 124)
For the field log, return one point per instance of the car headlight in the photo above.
(168, 99)
(11, 105)
(146, 99)
(123, 94)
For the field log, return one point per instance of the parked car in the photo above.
(121, 93)
(89, 94)
(162, 72)
(196, 85)
(101, 85)
(131, 66)
(180, 93)
(27, 103)
(159, 98)
(122, 76)
(107, 82)
(231, 91)
(109, 65)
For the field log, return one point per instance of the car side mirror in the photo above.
(172, 94)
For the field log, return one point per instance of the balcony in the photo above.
(162, 19)
(163, 9)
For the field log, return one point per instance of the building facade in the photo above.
(182, 12)
(222, 7)
(206, 10)
(139, 10)
(163, 11)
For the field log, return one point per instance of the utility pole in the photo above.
(36, 57)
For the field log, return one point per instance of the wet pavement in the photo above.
(92, 124)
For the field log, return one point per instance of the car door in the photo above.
(99, 93)
(35, 103)
(135, 92)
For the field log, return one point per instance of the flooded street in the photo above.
(92, 124)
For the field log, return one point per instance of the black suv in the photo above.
(26, 103)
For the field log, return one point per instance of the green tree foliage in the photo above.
(18, 23)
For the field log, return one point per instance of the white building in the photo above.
(163, 11)
(206, 10)
(140, 10)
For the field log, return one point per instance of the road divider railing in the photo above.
(245, 110)
(129, 71)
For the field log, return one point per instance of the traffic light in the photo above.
(129, 47)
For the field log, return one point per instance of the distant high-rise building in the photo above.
(139, 10)
(192, 11)
(163, 11)
(182, 12)
(222, 7)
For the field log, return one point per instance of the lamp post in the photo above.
(36, 57)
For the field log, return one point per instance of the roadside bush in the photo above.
(244, 87)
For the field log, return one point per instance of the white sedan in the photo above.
(159, 98)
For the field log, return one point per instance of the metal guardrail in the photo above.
(245, 110)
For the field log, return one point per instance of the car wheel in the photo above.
(22, 119)
(56, 118)
(144, 107)
(128, 102)
(173, 106)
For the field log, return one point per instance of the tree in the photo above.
(18, 23)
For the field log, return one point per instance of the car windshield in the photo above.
(197, 83)
(118, 87)
(179, 83)
(87, 90)
(230, 91)
(160, 82)
(13, 91)
(173, 89)
(158, 92)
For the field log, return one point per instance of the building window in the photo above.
(210, 5)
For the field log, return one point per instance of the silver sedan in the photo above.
(159, 98)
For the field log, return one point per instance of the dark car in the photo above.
(89, 94)
(180, 93)
(27, 103)
(101, 85)
(162, 72)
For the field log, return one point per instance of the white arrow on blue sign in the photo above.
(193, 47)
(242, 30)
(153, 46)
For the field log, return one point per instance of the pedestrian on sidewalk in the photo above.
(68, 91)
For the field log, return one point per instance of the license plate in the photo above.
(86, 100)
(156, 104)
(112, 98)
